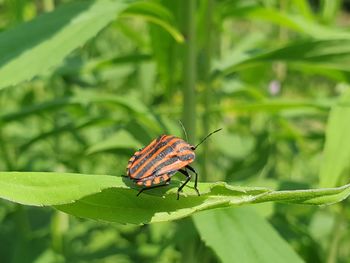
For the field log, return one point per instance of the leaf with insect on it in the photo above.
(110, 198)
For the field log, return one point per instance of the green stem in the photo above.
(308, 196)
(22, 234)
(207, 52)
(330, 10)
(59, 225)
(6, 153)
(336, 237)
(189, 94)
(48, 5)
(22, 222)
(281, 67)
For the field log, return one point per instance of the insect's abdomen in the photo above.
(166, 154)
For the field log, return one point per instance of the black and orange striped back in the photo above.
(164, 155)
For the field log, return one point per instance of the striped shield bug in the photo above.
(154, 165)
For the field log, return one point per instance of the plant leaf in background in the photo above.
(307, 24)
(328, 54)
(241, 235)
(157, 14)
(336, 156)
(120, 140)
(33, 48)
(81, 99)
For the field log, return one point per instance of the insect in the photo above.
(154, 165)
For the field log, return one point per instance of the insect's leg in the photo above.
(152, 187)
(196, 178)
(188, 178)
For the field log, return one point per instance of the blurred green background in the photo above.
(273, 74)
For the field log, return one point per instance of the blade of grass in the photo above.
(331, 54)
(190, 69)
(336, 165)
(242, 235)
(129, 103)
(35, 47)
(156, 14)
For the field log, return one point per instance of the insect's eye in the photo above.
(193, 148)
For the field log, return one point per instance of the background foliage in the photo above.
(83, 84)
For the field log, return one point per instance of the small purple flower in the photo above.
(274, 87)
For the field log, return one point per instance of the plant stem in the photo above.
(207, 53)
(189, 74)
(6, 153)
(59, 225)
(330, 9)
(48, 5)
(281, 67)
(336, 236)
(22, 234)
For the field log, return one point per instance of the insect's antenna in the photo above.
(183, 128)
(206, 137)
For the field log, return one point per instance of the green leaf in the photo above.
(129, 103)
(330, 10)
(336, 163)
(33, 48)
(114, 198)
(124, 206)
(41, 189)
(75, 66)
(304, 8)
(120, 140)
(241, 235)
(322, 196)
(328, 54)
(155, 14)
(306, 25)
(85, 123)
(276, 105)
